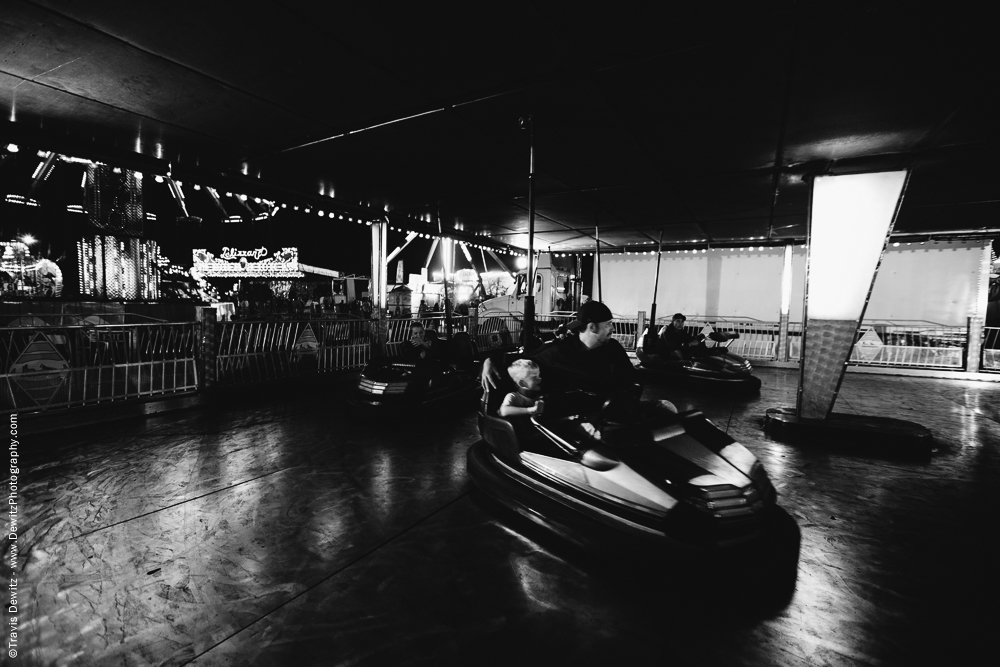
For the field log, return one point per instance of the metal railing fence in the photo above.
(498, 333)
(45, 368)
(249, 351)
(910, 345)
(49, 366)
(624, 332)
(903, 344)
(757, 340)
(991, 349)
(398, 329)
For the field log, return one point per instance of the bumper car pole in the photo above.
(649, 342)
(528, 329)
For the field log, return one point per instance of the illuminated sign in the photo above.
(235, 263)
(233, 253)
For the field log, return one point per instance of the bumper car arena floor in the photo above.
(283, 530)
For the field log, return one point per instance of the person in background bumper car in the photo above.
(422, 351)
(676, 342)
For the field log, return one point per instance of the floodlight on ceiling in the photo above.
(12, 148)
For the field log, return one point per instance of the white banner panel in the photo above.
(940, 282)
(718, 283)
(851, 215)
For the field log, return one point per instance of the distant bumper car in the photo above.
(668, 481)
(713, 365)
(395, 384)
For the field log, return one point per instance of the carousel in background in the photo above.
(25, 275)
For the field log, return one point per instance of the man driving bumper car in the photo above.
(600, 466)
(584, 370)
(676, 341)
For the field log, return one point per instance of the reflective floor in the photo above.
(286, 531)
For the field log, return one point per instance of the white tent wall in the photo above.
(721, 283)
(936, 282)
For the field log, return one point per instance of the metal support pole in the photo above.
(529, 298)
(597, 260)
(378, 288)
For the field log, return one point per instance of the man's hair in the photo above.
(415, 325)
(523, 368)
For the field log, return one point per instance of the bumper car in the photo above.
(394, 383)
(664, 481)
(708, 365)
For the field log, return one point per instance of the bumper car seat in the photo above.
(499, 432)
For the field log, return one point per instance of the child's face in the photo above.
(532, 382)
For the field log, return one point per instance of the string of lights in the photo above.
(270, 207)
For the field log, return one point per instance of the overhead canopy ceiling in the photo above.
(702, 121)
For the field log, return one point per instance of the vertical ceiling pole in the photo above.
(597, 257)
(447, 267)
(527, 122)
(650, 341)
(379, 284)
(779, 152)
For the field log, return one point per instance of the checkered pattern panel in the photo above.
(828, 344)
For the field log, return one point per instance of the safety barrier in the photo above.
(624, 331)
(49, 367)
(757, 340)
(58, 365)
(910, 345)
(398, 330)
(498, 333)
(882, 343)
(991, 349)
(268, 350)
